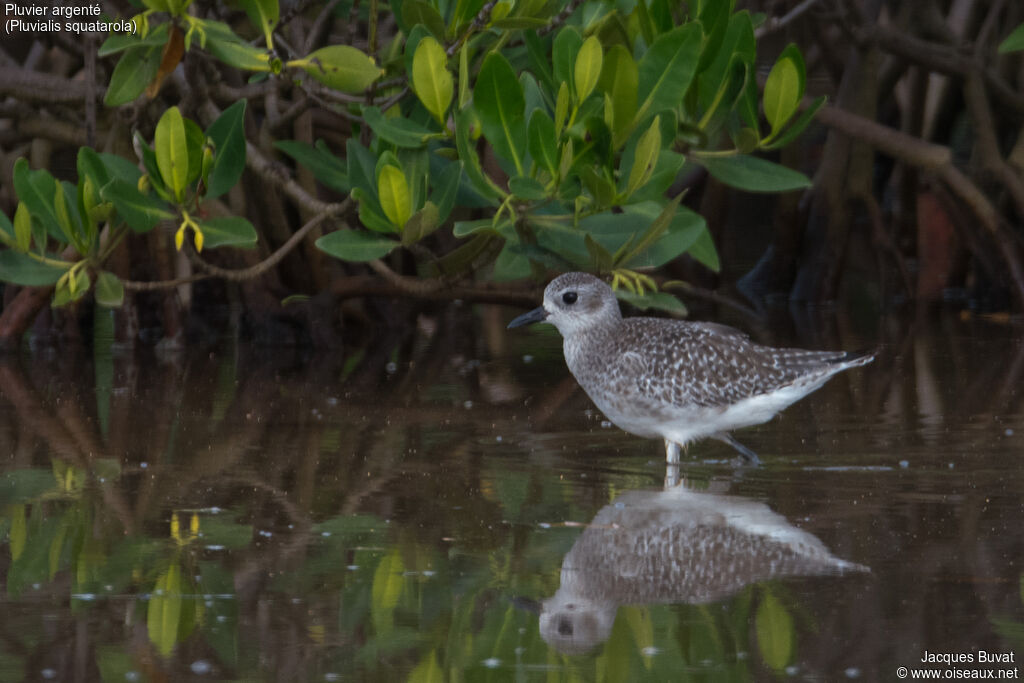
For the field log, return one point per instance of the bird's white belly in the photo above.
(682, 425)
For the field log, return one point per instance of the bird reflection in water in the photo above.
(669, 547)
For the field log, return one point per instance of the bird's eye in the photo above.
(570, 297)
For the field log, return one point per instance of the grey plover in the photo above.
(676, 380)
(671, 547)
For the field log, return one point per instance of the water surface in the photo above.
(444, 504)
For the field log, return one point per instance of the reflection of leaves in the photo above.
(164, 612)
(774, 632)
(221, 531)
(221, 625)
(386, 591)
(33, 564)
(427, 671)
(349, 526)
(22, 486)
(174, 609)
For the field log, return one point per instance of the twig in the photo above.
(244, 274)
(561, 17)
(774, 24)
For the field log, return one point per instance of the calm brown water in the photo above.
(445, 505)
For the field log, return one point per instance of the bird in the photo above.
(678, 546)
(677, 380)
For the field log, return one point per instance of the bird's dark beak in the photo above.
(535, 316)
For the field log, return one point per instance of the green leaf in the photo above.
(195, 140)
(620, 79)
(352, 245)
(540, 65)
(542, 141)
(119, 167)
(163, 614)
(511, 264)
(738, 44)
(784, 88)
(37, 189)
(464, 122)
(67, 226)
(563, 56)
(645, 157)
(171, 149)
(71, 288)
(1014, 41)
(25, 485)
(415, 12)
(421, 224)
(526, 188)
(22, 269)
(141, 212)
(754, 174)
(326, 167)
(704, 251)
(240, 55)
(797, 127)
(22, 227)
(264, 14)
(119, 42)
(361, 167)
(499, 102)
(341, 67)
(446, 189)
(649, 244)
(134, 71)
(667, 69)
(395, 199)
(658, 227)
(228, 135)
(224, 231)
(661, 301)
(431, 79)
(775, 632)
(588, 67)
(400, 132)
(387, 588)
(109, 290)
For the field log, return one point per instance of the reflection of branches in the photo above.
(79, 445)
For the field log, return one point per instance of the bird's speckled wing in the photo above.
(696, 364)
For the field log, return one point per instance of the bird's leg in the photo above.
(748, 454)
(671, 452)
(671, 464)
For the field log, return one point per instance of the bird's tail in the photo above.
(852, 359)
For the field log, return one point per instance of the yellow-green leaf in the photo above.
(341, 67)
(163, 614)
(171, 150)
(23, 227)
(561, 107)
(784, 88)
(265, 15)
(427, 671)
(646, 156)
(60, 207)
(109, 289)
(431, 79)
(620, 78)
(19, 530)
(588, 67)
(395, 199)
(386, 591)
(774, 626)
